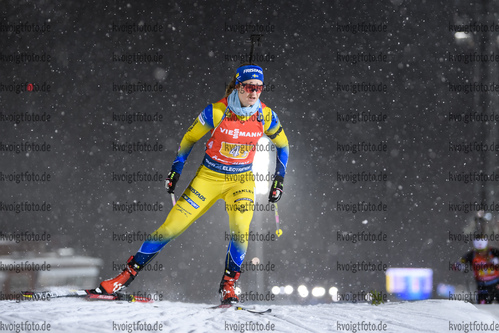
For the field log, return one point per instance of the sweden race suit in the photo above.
(224, 174)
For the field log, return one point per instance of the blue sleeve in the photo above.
(276, 133)
(281, 160)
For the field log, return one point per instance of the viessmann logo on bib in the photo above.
(236, 133)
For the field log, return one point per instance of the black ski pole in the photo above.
(253, 39)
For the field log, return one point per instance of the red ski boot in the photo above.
(227, 287)
(122, 280)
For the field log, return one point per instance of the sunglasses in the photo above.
(249, 88)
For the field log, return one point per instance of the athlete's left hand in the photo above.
(171, 181)
(276, 189)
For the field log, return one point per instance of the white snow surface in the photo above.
(79, 315)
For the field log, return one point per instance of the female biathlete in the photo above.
(236, 123)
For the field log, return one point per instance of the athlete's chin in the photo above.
(252, 102)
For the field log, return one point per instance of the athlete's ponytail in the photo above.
(232, 84)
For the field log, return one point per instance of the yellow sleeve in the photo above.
(273, 129)
(206, 121)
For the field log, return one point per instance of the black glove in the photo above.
(276, 188)
(171, 181)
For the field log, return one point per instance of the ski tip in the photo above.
(253, 311)
(140, 299)
(27, 294)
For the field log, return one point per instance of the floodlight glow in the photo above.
(276, 290)
(460, 35)
(318, 292)
(288, 290)
(464, 39)
(333, 292)
(303, 291)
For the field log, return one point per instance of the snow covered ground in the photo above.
(78, 315)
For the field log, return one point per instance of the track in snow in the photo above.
(77, 315)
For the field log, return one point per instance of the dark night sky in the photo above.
(306, 72)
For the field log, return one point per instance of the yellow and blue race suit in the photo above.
(224, 174)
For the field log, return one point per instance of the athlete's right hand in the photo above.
(171, 181)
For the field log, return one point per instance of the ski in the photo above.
(87, 294)
(241, 308)
(252, 310)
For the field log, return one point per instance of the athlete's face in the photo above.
(249, 92)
